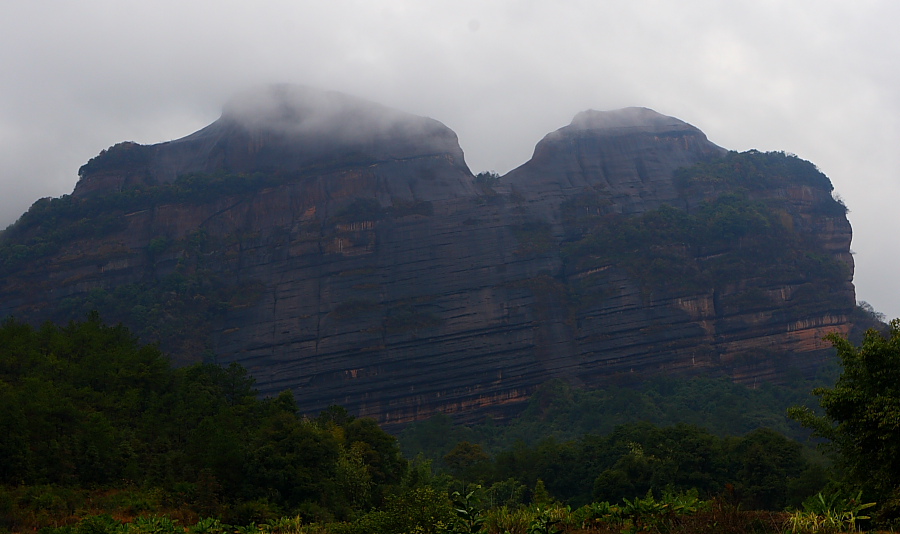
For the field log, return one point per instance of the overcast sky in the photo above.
(818, 78)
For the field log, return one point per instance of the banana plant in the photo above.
(209, 525)
(831, 513)
(469, 513)
(544, 522)
(154, 525)
(284, 525)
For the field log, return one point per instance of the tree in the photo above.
(291, 460)
(467, 461)
(487, 178)
(379, 450)
(766, 467)
(862, 410)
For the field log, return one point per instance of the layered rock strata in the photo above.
(344, 251)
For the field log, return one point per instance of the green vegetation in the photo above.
(754, 171)
(88, 410)
(736, 234)
(121, 156)
(100, 434)
(175, 311)
(487, 178)
(485, 182)
(727, 239)
(763, 469)
(862, 415)
(52, 222)
(564, 413)
(834, 513)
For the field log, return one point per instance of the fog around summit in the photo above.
(815, 78)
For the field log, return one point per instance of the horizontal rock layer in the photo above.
(375, 272)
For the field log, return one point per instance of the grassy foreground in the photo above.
(428, 510)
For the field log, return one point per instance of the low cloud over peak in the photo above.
(644, 119)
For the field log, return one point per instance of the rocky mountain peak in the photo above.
(625, 120)
(286, 129)
(344, 251)
(623, 123)
(630, 154)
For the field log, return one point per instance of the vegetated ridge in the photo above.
(344, 251)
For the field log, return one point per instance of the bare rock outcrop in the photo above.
(630, 154)
(345, 251)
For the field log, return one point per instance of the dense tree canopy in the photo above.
(862, 411)
(763, 469)
(87, 405)
(88, 409)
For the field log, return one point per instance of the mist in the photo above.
(817, 79)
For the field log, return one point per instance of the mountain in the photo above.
(345, 251)
(629, 153)
(285, 129)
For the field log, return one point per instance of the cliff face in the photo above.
(344, 251)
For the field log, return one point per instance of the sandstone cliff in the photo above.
(630, 153)
(345, 251)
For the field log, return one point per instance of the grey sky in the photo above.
(818, 78)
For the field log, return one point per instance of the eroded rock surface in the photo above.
(346, 252)
(630, 154)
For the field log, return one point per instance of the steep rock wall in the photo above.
(372, 271)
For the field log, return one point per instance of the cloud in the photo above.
(817, 78)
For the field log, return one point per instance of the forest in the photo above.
(100, 434)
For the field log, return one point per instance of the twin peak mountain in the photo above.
(345, 251)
